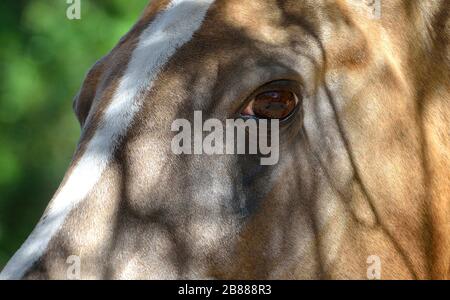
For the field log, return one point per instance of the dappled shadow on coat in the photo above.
(248, 177)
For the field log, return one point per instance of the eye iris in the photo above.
(274, 104)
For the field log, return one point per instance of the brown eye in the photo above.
(272, 105)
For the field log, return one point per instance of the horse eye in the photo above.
(272, 105)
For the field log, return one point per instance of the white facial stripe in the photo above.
(172, 28)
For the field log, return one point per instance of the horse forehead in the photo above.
(163, 28)
(261, 21)
(266, 22)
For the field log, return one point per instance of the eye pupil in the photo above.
(274, 104)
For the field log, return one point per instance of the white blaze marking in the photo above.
(172, 28)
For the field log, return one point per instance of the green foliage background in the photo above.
(43, 59)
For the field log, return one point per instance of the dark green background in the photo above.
(43, 60)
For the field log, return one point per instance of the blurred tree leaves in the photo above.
(43, 59)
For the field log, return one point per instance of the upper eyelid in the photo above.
(288, 85)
